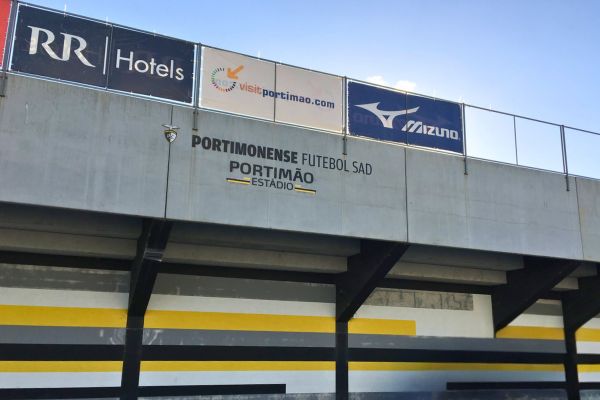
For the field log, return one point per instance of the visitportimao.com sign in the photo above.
(309, 98)
(80, 50)
(240, 84)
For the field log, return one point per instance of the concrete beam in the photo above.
(251, 258)
(75, 222)
(263, 239)
(440, 273)
(456, 257)
(18, 240)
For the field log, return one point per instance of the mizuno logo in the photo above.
(412, 126)
(386, 117)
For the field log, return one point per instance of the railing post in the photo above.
(12, 20)
(197, 84)
(345, 116)
(516, 145)
(563, 143)
(275, 90)
(464, 132)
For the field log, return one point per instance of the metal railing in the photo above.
(529, 142)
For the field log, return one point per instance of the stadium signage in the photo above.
(276, 168)
(79, 50)
(400, 117)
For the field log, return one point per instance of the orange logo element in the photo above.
(232, 73)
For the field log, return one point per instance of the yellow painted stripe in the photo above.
(271, 323)
(530, 332)
(241, 181)
(588, 368)
(382, 326)
(237, 321)
(303, 190)
(62, 316)
(153, 366)
(588, 335)
(61, 366)
(149, 366)
(409, 366)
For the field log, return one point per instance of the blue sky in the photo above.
(534, 58)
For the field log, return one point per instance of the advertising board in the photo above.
(60, 46)
(66, 47)
(309, 98)
(152, 65)
(245, 85)
(236, 83)
(406, 118)
(75, 49)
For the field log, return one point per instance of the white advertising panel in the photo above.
(308, 98)
(236, 83)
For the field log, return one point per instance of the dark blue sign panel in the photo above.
(151, 65)
(60, 46)
(399, 117)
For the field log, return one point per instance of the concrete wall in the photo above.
(588, 193)
(495, 207)
(66, 146)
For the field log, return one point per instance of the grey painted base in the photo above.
(554, 394)
(449, 395)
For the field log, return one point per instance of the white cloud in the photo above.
(401, 85)
(406, 85)
(378, 80)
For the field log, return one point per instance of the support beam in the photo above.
(150, 249)
(578, 308)
(571, 373)
(525, 286)
(341, 360)
(365, 271)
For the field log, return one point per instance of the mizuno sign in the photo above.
(405, 118)
(386, 117)
(418, 127)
